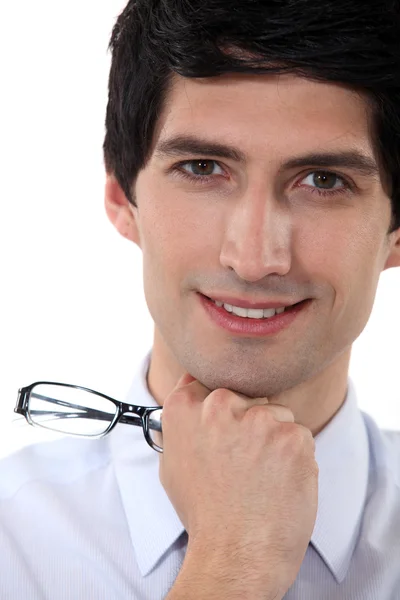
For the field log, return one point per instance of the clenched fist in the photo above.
(243, 479)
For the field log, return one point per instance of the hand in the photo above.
(243, 479)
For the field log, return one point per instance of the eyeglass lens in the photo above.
(73, 411)
(70, 410)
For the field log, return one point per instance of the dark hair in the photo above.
(353, 42)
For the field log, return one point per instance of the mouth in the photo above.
(253, 325)
(283, 309)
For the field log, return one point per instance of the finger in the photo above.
(198, 390)
(185, 379)
(241, 404)
(279, 412)
(187, 392)
(252, 401)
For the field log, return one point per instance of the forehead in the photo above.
(257, 111)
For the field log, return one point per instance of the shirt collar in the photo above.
(341, 451)
(152, 520)
(342, 455)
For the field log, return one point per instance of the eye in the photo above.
(326, 182)
(199, 171)
(200, 168)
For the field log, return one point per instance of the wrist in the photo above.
(209, 576)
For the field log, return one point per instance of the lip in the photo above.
(252, 327)
(246, 304)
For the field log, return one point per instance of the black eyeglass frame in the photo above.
(125, 413)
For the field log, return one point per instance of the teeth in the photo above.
(240, 312)
(254, 313)
(251, 313)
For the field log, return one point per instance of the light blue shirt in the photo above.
(89, 519)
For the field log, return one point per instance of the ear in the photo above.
(393, 259)
(122, 214)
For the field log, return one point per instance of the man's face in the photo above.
(259, 230)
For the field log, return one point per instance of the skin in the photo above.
(261, 232)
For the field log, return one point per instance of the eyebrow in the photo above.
(187, 145)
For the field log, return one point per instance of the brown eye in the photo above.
(202, 167)
(325, 183)
(325, 180)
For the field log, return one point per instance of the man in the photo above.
(248, 188)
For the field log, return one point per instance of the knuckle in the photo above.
(215, 403)
(308, 439)
(261, 423)
(298, 444)
(260, 416)
(175, 404)
(300, 433)
(219, 396)
(258, 409)
(293, 437)
(271, 413)
(179, 397)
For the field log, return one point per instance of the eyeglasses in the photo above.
(79, 411)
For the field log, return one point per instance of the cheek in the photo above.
(342, 255)
(176, 230)
(174, 245)
(348, 260)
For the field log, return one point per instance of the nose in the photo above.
(258, 237)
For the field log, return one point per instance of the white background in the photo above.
(72, 302)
